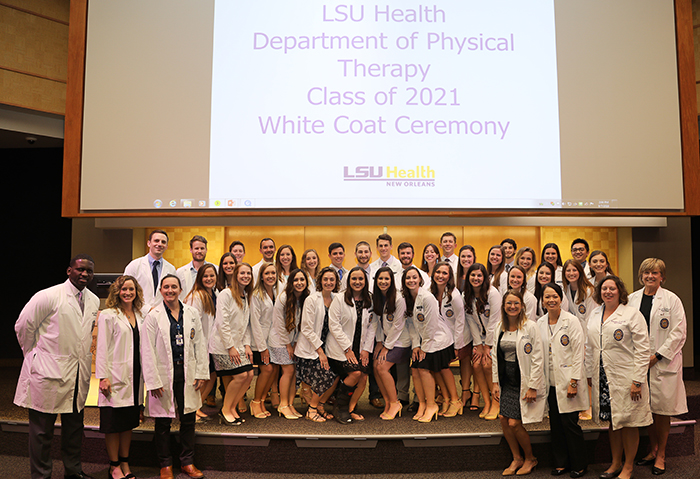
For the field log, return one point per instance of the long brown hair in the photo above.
(293, 303)
(520, 321)
(200, 291)
(482, 299)
(235, 288)
(584, 288)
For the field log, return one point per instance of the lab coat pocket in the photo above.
(670, 368)
(49, 366)
(120, 373)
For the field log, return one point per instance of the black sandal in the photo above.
(473, 407)
(322, 412)
(126, 460)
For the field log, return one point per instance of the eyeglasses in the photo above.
(578, 250)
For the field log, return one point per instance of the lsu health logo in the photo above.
(421, 175)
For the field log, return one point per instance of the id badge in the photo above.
(179, 340)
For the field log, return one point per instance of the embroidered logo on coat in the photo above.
(664, 323)
(527, 348)
(582, 308)
(420, 317)
(449, 313)
(618, 335)
(390, 317)
(564, 340)
(192, 333)
(487, 313)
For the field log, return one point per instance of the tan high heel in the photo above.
(456, 407)
(388, 416)
(493, 415)
(260, 414)
(429, 415)
(444, 407)
(289, 415)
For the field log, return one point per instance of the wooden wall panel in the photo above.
(33, 45)
(31, 92)
(58, 10)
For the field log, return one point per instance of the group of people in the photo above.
(530, 335)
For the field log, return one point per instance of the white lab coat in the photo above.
(260, 321)
(581, 310)
(452, 312)
(395, 329)
(528, 349)
(667, 334)
(188, 276)
(279, 336)
(624, 342)
(568, 352)
(230, 325)
(392, 263)
(114, 358)
(141, 270)
(312, 316)
(207, 319)
(434, 332)
(55, 338)
(483, 324)
(157, 360)
(341, 325)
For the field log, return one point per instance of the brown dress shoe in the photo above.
(166, 472)
(378, 403)
(192, 471)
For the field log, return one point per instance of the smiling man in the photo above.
(48, 387)
(579, 252)
(188, 272)
(149, 269)
(384, 245)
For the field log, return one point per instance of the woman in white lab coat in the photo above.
(261, 308)
(525, 258)
(312, 365)
(451, 310)
(202, 297)
(396, 338)
(545, 274)
(665, 318)
(312, 265)
(617, 360)
(169, 384)
(467, 257)
(496, 266)
(230, 340)
(350, 343)
(118, 367)
(286, 317)
(563, 341)
(226, 266)
(516, 281)
(518, 380)
(579, 293)
(286, 262)
(551, 255)
(436, 349)
(482, 305)
(599, 266)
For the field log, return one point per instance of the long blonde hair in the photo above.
(115, 302)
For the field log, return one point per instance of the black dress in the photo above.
(121, 419)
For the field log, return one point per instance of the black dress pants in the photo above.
(187, 422)
(568, 447)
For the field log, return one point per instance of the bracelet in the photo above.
(637, 384)
(658, 357)
(573, 385)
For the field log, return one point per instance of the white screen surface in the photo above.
(385, 105)
(585, 93)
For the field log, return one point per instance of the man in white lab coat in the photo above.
(54, 331)
(149, 269)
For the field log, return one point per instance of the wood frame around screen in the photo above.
(72, 151)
